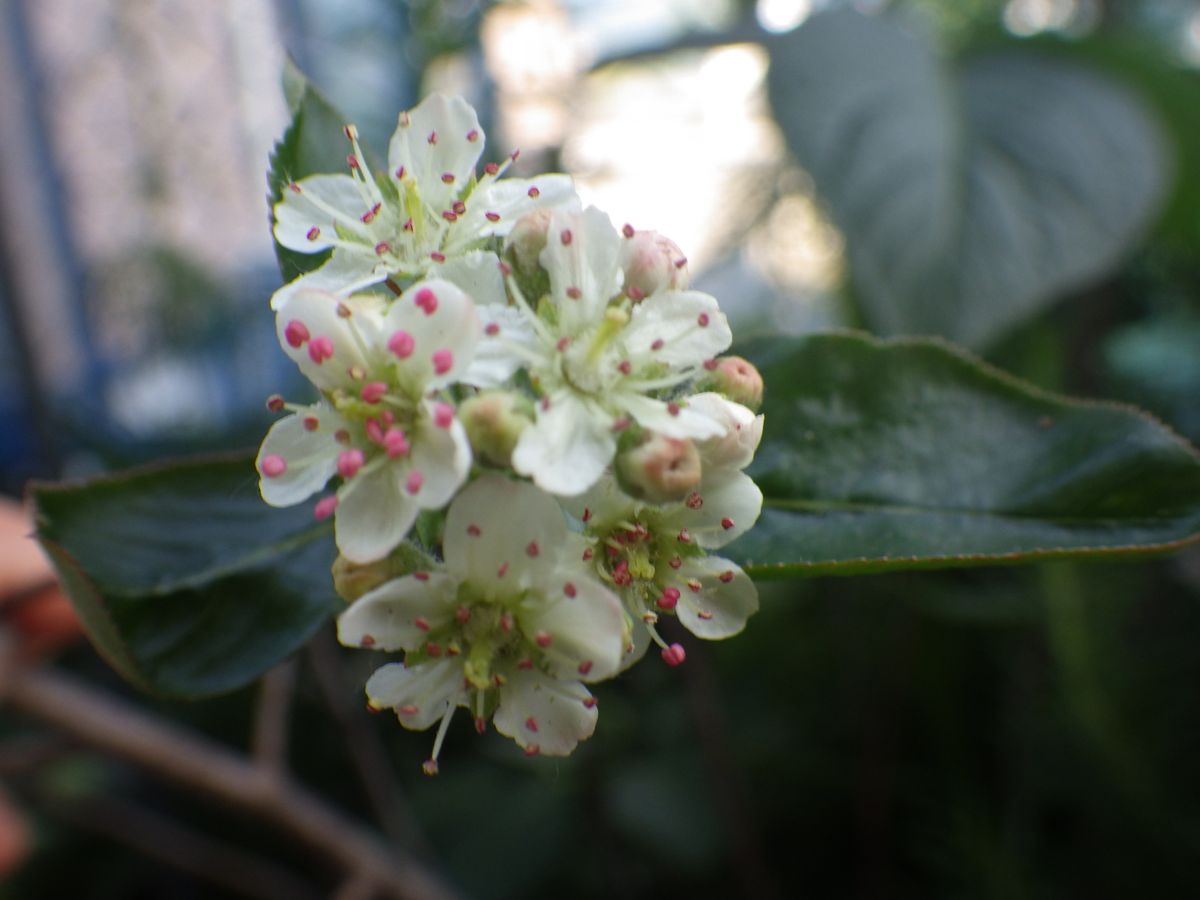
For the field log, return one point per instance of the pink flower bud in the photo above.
(652, 263)
(527, 239)
(660, 469)
(737, 380)
(494, 421)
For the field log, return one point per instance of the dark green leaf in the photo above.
(313, 143)
(185, 580)
(907, 453)
(969, 199)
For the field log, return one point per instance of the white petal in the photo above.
(317, 311)
(585, 622)
(673, 318)
(499, 525)
(566, 450)
(477, 273)
(434, 143)
(731, 505)
(310, 454)
(452, 328)
(736, 448)
(562, 712)
(343, 273)
(399, 614)
(442, 456)
(374, 513)
(323, 200)
(508, 198)
(603, 503)
(421, 695)
(720, 608)
(581, 254)
(510, 345)
(639, 643)
(676, 420)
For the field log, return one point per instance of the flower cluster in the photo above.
(532, 439)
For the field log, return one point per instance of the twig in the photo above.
(355, 888)
(200, 764)
(370, 760)
(271, 719)
(161, 838)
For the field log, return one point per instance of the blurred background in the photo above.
(1022, 176)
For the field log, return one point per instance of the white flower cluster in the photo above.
(467, 333)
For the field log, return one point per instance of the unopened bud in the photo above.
(494, 421)
(737, 380)
(351, 580)
(652, 262)
(659, 469)
(527, 239)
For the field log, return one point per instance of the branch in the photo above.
(271, 720)
(202, 765)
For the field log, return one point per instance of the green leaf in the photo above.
(908, 453)
(186, 581)
(313, 143)
(970, 198)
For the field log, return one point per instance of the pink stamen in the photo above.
(443, 415)
(673, 408)
(525, 664)
(421, 622)
(459, 207)
(669, 598)
(402, 344)
(400, 173)
(702, 320)
(414, 481)
(311, 423)
(474, 530)
(275, 403)
(432, 137)
(534, 192)
(492, 329)
(449, 215)
(674, 655)
(382, 247)
(421, 576)
(532, 549)
(491, 168)
(627, 230)
(726, 576)
(543, 639)
(320, 349)
(367, 642)
(566, 236)
(574, 293)
(427, 300)
(589, 702)
(675, 562)
(352, 160)
(395, 442)
(533, 750)
(694, 500)
(438, 257)
(657, 345)
(624, 367)
(585, 667)
(492, 216)
(727, 523)
(349, 462)
(374, 431)
(433, 649)
(374, 391)
(273, 465)
(502, 571)
(531, 724)
(313, 233)
(296, 333)
(447, 178)
(369, 216)
(473, 135)
(711, 365)
(443, 361)
(462, 615)
(569, 590)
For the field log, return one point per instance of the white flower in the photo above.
(426, 210)
(378, 425)
(599, 359)
(510, 628)
(655, 555)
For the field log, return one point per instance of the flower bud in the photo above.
(652, 262)
(494, 421)
(738, 380)
(743, 432)
(527, 240)
(659, 469)
(351, 580)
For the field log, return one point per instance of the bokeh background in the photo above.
(994, 733)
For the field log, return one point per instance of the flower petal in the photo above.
(736, 448)
(508, 344)
(584, 621)
(444, 329)
(492, 525)
(731, 505)
(433, 141)
(317, 312)
(421, 695)
(442, 456)
(562, 712)
(478, 274)
(374, 513)
(581, 256)
(603, 503)
(567, 448)
(343, 273)
(310, 454)
(671, 322)
(496, 204)
(726, 599)
(675, 420)
(308, 221)
(399, 614)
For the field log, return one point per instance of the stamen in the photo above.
(320, 349)
(275, 403)
(427, 300)
(311, 423)
(669, 598)
(430, 766)
(414, 481)
(543, 639)
(443, 415)
(492, 216)
(349, 462)
(531, 549)
(674, 655)
(569, 590)
(627, 230)
(402, 344)
(373, 391)
(395, 442)
(296, 333)
(585, 667)
(534, 192)
(531, 724)
(726, 576)
(727, 523)
(443, 361)
(273, 465)
(313, 233)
